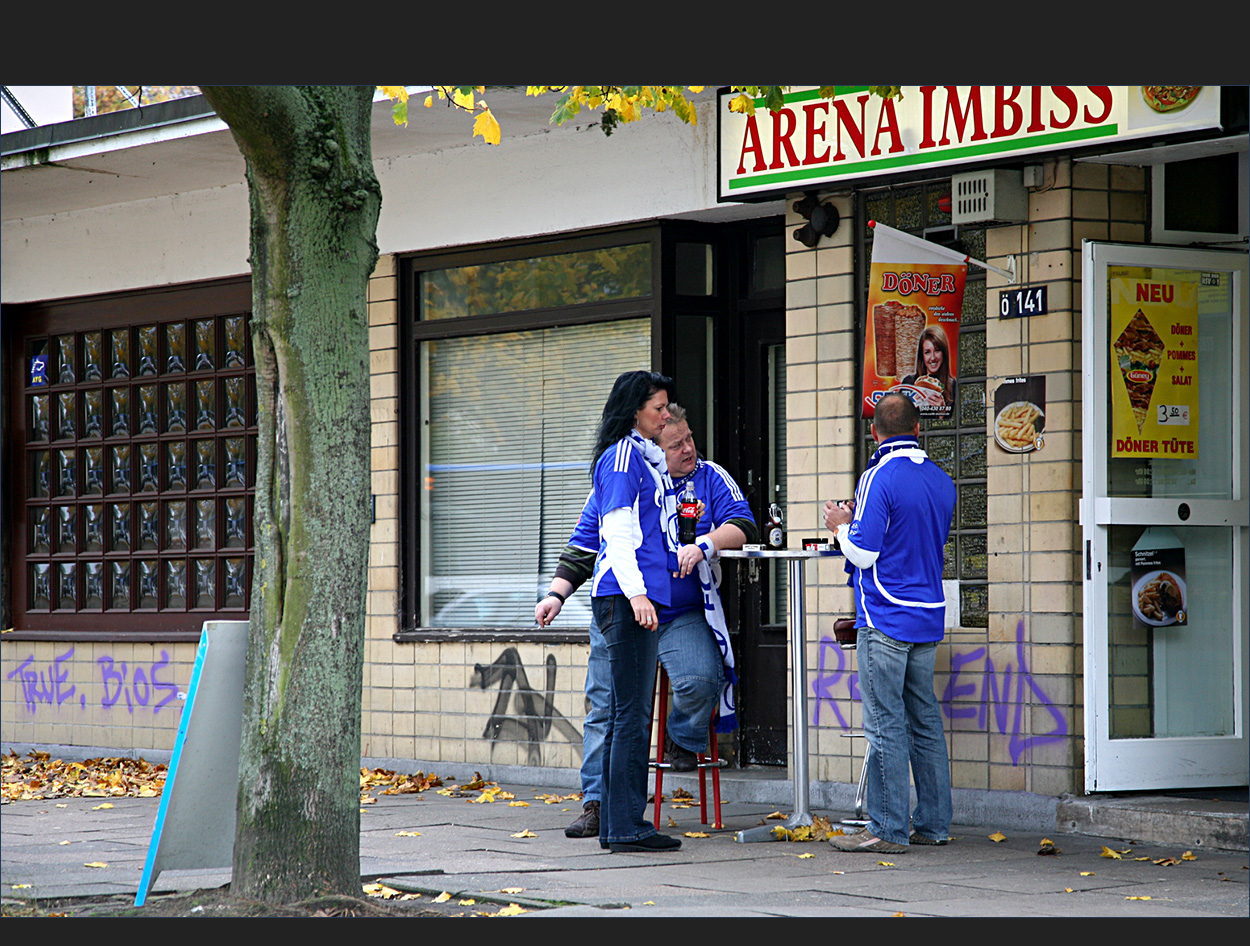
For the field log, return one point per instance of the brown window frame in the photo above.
(32, 326)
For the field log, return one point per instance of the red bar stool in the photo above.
(710, 760)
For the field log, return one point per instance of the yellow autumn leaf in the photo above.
(19, 886)
(1087, 873)
(512, 909)
(696, 834)
(96, 864)
(512, 890)
(467, 902)
(527, 833)
(380, 890)
(407, 834)
(804, 857)
(64, 842)
(105, 805)
(442, 897)
(1137, 898)
(463, 99)
(998, 836)
(368, 800)
(395, 92)
(886, 863)
(1067, 890)
(518, 804)
(1189, 856)
(1107, 852)
(775, 816)
(486, 126)
(1141, 858)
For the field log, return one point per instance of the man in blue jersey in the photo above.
(689, 648)
(892, 536)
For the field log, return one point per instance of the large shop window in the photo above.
(134, 422)
(958, 443)
(509, 394)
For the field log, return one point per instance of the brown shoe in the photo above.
(587, 823)
(864, 840)
(921, 839)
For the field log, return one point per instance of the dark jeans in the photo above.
(631, 651)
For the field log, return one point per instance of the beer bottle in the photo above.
(773, 531)
(687, 514)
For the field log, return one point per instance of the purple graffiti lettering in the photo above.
(1004, 693)
(822, 686)
(958, 662)
(38, 688)
(30, 681)
(114, 676)
(141, 680)
(170, 689)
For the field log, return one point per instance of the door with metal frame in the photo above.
(1164, 516)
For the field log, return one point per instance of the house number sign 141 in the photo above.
(1025, 301)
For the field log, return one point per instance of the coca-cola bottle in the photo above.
(687, 514)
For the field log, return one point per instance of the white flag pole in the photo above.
(937, 251)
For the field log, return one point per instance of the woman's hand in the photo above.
(546, 610)
(644, 612)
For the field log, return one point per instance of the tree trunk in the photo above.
(314, 212)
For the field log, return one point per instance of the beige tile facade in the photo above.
(1012, 691)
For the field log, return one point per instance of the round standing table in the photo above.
(795, 623)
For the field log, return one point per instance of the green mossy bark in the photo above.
(314, 211)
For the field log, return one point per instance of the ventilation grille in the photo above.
(989, 197)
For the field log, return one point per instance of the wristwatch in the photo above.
(555, 594)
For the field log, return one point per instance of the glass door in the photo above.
(1164, 517)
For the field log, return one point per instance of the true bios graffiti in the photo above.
(532, 716)
(135, 685)
(1004, 697)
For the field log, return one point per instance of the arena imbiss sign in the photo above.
(814, 141)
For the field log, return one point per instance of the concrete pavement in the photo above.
(470, 850)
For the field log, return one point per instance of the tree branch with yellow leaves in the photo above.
(620, 104)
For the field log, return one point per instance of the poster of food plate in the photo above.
(1158, 592)
(1020, 414)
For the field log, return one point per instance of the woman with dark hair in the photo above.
(631, 576)
(933, 364)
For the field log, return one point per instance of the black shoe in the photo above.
(654, 842)
(587, 823)
(679, 758)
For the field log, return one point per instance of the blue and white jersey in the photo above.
(722, 501)
(624, 480)
(903, 509)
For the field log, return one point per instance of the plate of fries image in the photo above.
(1018, 427)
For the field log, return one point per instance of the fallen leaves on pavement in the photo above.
(388, 782)
(38, 776)
(1047, 847)
(998, 836)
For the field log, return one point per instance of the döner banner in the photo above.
(911, 337)
(815, 140)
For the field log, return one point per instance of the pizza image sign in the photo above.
(1154, 362)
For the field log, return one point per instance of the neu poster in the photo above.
(1154, 362)
(911, 337)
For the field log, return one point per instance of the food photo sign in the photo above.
(1154, 362)
(911, 340)
(1020, 414)
(1158, 580)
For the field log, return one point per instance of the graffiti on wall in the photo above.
(521, 713)
(1004, 697)
(134, 685)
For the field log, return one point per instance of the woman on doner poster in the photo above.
(915, 298)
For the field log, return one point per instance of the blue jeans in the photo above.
(631, 651)
(903, 725)
(695, 670)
